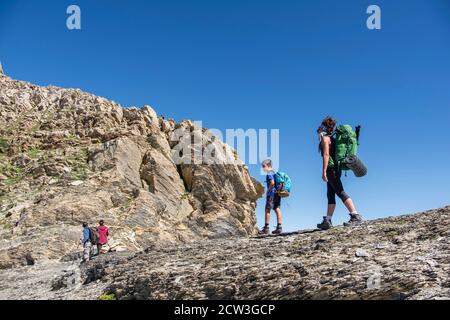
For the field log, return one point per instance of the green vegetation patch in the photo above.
(111, 296)
(33, 152)
(79, 163)
(15, 174)
(4, 145)
(72, 139)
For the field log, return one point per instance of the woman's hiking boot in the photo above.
(326, 224)
(355, 218)
(278, 230)
(264, 231)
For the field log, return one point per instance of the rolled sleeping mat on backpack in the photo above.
(356, 165)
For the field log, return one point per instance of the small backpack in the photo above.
(283, 184)
(94, 235)
(346, 144)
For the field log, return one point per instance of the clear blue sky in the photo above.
(267, 64)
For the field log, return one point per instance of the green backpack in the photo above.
(346, 144)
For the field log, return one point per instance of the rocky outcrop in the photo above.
(67, 156)
(405, 257)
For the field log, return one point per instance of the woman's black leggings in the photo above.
(335, 187)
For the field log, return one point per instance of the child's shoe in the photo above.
(278, 230)
(264, 231)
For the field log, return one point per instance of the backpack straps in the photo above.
(333, 151)
(357, 131)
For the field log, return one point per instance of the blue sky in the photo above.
(267, 64)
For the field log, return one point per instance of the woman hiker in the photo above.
(332, 176)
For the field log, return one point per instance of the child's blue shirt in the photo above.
(270, 177)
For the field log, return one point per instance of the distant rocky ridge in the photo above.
(405, 257)
(67, 156)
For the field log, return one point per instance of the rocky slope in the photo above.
(406, 257)
(67, 156)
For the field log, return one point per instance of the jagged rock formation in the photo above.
(67, 156)
(405, 257)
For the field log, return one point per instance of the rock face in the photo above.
(405, 257)
(68, 157)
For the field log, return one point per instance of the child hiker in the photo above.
(273, 200)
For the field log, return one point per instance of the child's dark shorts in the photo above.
(273, 202)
